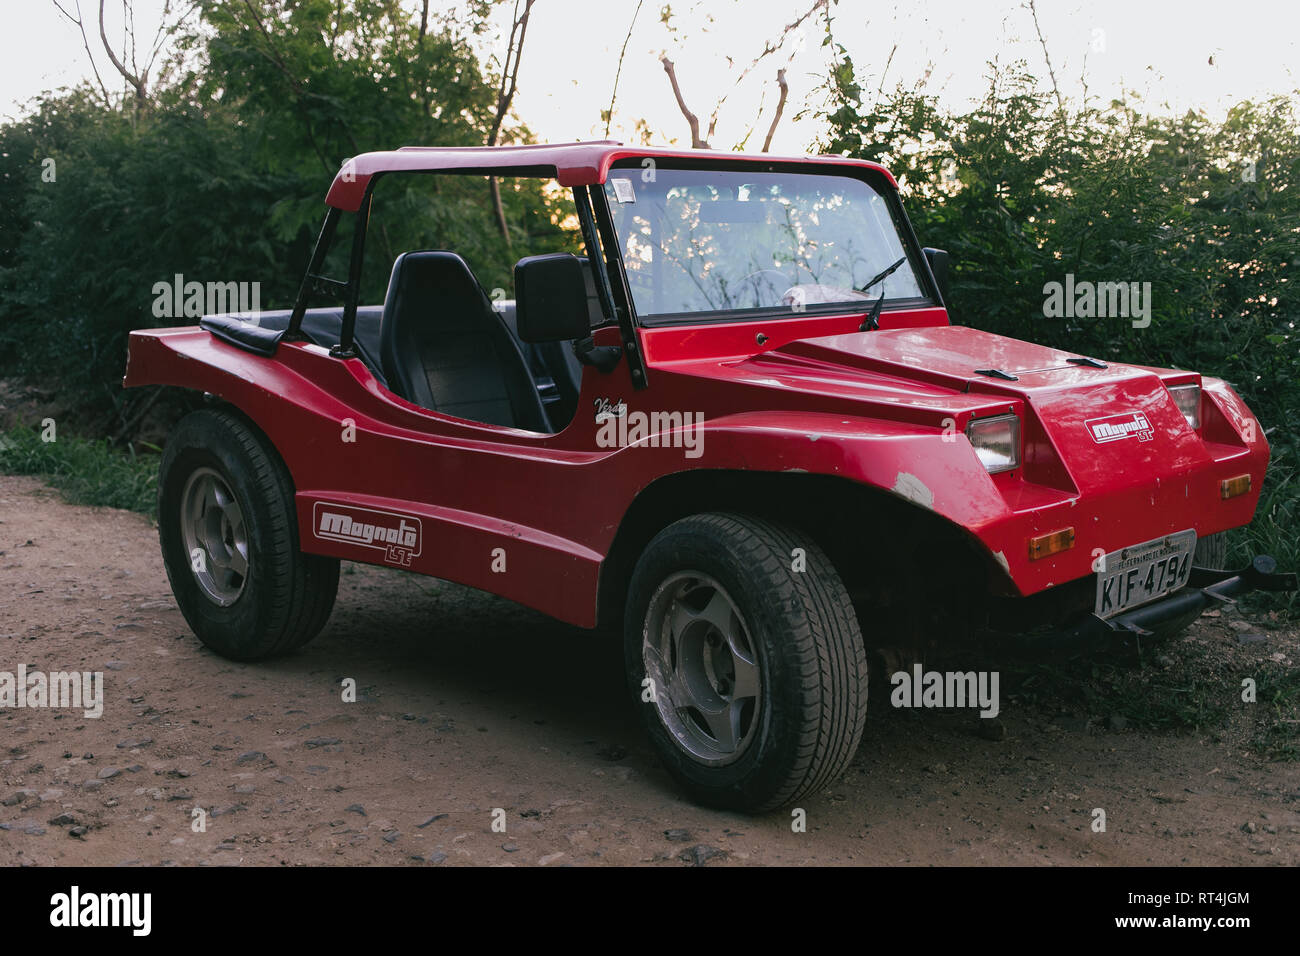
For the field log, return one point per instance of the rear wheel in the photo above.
(744, 654)
(229, 535)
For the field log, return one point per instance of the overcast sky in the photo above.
(1175, 55)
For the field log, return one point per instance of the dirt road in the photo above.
(468, 705)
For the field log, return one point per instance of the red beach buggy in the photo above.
(740, 429)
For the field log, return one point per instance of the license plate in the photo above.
(1141, 573)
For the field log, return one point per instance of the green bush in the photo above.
(223, 178)
(1022, 193)
(86, 472)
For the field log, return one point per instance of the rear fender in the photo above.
(291, 398)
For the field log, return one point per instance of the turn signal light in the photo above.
(1046, 545)
(1231, 487)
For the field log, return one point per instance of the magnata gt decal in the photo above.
(398, 536)
(1115, 427)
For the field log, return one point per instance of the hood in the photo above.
(1084, 423)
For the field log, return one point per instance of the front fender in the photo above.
(927, 467)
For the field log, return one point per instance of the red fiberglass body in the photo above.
(1106, 457)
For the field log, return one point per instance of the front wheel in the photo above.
(229, 534)
(744, 654)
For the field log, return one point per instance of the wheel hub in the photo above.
(212, 524)
(698, 652)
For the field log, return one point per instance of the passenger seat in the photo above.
(444, 348)
(554, 365)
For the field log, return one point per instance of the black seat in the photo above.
(445, 349)
(554, 365)
(546, 386)
(559, 358)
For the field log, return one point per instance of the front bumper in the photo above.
(1205, 588)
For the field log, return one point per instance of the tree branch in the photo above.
(86, 43)
(271, 54)
(505, 96)
(137, 82)
(692, 120)
(780, 106)
(165, 32)
(509, 73)
(1060, 103)
(769, 48)
(609, 117)
(128, 27)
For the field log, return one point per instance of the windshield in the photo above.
(697, 241)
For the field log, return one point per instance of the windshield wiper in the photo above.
(872, 321)
(882, 276)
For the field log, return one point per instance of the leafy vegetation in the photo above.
(1192, 685)
(218, 176)
(87, 472)
(1023, 192)
(222, 178)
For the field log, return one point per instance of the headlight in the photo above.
(1188, 400)
(997, 441)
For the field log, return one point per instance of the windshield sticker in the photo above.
(623, 191)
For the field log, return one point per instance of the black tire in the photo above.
(284, 597)
(805, 721)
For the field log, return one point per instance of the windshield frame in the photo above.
(873, 178)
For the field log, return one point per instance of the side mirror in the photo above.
(938, 260)
(551, 298)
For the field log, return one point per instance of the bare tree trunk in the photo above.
(135, 76)
(692, 120)
(505, 95)
(780, 106)
(138, 82)
(426, 97)
(770, 47)
(495, 188)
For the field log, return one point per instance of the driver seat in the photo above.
(443, 346)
